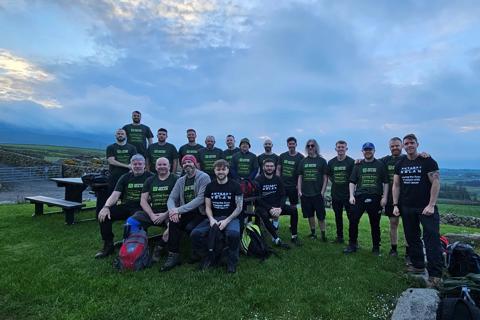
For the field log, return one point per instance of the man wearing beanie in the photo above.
(244, 163)
(186, 208)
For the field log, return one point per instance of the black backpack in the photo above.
(461, 259)
(253, 244)
(457, 309)
(216, 245)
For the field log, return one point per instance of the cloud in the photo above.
(21, 80)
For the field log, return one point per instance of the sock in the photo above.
(312, 231)
(276, 224)
(394, 247)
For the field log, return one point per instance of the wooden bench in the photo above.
(69, 207)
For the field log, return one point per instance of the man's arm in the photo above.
(208, 210)
(299, 185)
(351, 189)
(396, 194)
(113, 162)
(235, 213)
(383, 201)
(434, 178)
(174, 165)
(111, 201)
(324, 185)
(279, 170)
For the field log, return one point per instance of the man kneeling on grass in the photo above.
(223, 204)
(186, 208)
(156, 190)
(129, 188)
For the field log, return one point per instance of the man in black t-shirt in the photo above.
(223, 204)
(191, 147)
(138, 134)
(244, 163)
(287, 170)
(416, 185)
(339, 171)
(155, 193)
(118, 158)
(162, 149)
(209, 155)
(368, 190)
(128, 189)
(231, 149)
(271, 203)
(268, 154)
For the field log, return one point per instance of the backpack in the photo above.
(461, 259)
(216, 245)
(91, 179)
(248, 187)
(457, 309)
(253, 244)
(134, 253)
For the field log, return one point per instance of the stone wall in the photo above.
(70, 171)
(462, 221)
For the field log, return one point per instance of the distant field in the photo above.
(460, 209)
(53, 153)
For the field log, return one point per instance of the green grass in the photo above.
(48, 272)
(53, 153)
(460, 209)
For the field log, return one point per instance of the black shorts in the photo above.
(389, 211)
(292, 195)
(312, 205)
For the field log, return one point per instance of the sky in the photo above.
(352, 70)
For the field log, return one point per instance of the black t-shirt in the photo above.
(272, 191)
(369, 177)
(189, 190)
(208, 158)
(131, 187)
(188, 149)
(159, 190)
(289, 170)
(137, 135)
(263, 157)
(228, 154)
(312, 170)
(156, 151)
(414, 183)
(121, 154)
(244, 164)
(339, 173)
(222, 197)
(390, 162)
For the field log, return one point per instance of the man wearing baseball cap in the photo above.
(368, 190)
(186, 208)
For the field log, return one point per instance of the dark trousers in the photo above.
(286, 210)
(120, 212)
(292, 195)
(370, 204)
(337, 206)
(412, 218)
(188, 221)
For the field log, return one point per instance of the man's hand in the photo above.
(158, 218)
(383, 202)
(223, 224)
(396, 211)
(429, 210)
(352, 200)
(424, 155)
(173, 215)
(213, 222)
(299, 193)
(105, 212)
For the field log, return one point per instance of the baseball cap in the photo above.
(368, 145)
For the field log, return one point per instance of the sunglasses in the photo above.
(310, 146)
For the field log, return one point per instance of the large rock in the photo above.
(417, 304)
(471, 239)
(462, 221)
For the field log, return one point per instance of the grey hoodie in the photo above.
(177, 200)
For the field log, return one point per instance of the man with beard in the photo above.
(223, 203)
(162, 149)
(312, 183)
(416, 186)
(155, 193)
(339, 170)
(231, 149)
(287, 170)
(138, 134)
(368, 192)
(129, 189)
(209, 155)
(186, 208)
(268, 154)
(191, 147)
(271, 203)
(244, 163)
(118, 158)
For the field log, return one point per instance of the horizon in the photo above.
(356, 71)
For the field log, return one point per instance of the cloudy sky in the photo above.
(354, 70)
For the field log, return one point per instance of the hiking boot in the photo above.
(376, 251)
(313, 236)
(157, 253)
(324, 238)
(393, 253)
(107, 250)
(194, 258)
(173, 260)
(231, 268)
(415, 270)
(282, 244)
(434, 283)
(408, 262)
(338, 240)
(206, 264)
(296, 241)
(350, 249)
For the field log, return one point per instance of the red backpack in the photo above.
(134, 254)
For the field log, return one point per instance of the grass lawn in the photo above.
(48, 272)
(460, 209)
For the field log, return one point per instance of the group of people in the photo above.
(198, 188)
